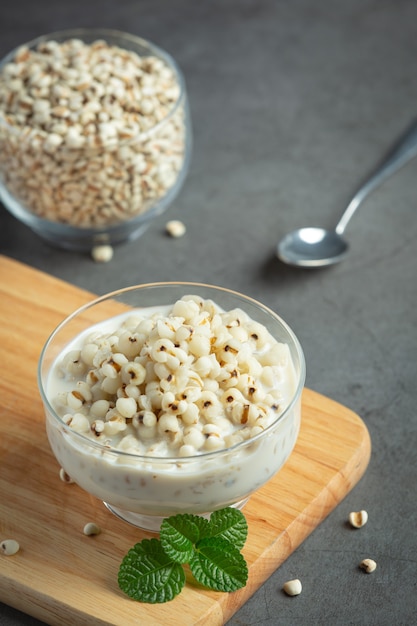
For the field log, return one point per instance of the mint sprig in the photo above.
(152, 570)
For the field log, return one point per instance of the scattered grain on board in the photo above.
(8, 547)
(91, 529)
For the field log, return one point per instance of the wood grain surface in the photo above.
(62, 576)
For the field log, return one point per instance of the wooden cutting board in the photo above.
(63, 577)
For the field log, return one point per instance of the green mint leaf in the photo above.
(229, 524)
(203, 525)
(219, 565)
(149, 575)
(179, 534)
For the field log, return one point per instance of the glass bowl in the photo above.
(143, 488)
(95, 138)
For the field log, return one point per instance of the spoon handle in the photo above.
(401, 153)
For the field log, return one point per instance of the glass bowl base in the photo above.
(152, 523)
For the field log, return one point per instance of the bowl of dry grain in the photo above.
(95, 136)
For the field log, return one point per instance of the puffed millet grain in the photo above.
(173, 381)
(91, 529)
(8, 547)
(357, 519)
(292, 587)
(368, 565)
(175, 228)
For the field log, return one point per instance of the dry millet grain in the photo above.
(175, 228)
(8, 547)
(91, 529)
(102, 254)
(66, 478)
(357, 519)
(292, 587)
(368, 565)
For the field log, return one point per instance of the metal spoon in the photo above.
(316, 247)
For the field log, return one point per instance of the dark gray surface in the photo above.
(293, 102)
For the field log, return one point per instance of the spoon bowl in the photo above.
(317, 247)
(312, 247)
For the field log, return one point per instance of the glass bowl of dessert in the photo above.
(171, 398)
(95, 135)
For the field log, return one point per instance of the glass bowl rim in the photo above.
(113, 33)
(179, 460)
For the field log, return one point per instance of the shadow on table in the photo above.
(272, 271)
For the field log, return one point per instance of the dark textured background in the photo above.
(292, 102)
